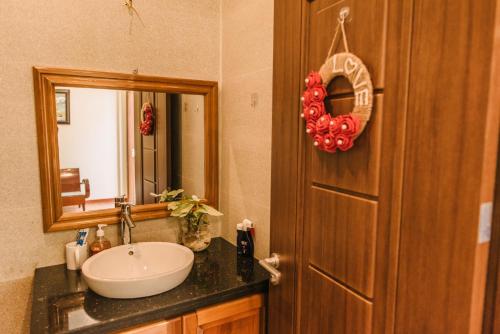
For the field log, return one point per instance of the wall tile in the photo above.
(246, 67)
(16, 306)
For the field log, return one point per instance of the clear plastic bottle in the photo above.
(100, 243)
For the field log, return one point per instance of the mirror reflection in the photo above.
(117, 145)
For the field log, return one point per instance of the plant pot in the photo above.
(196, 237)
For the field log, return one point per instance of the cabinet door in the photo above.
(173, 326)
(242, 316)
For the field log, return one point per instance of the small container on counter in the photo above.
(247, 246)
(100, 243)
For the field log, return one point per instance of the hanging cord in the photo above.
(131, 11)
(340, 25)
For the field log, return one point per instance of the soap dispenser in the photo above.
(100, 243)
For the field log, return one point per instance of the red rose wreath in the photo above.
(331, 133)
(147, 119)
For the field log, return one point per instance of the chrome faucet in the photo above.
(126, 222)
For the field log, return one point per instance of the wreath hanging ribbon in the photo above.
(332, 133)
(146, 127)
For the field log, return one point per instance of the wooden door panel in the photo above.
(247, 324)
(365, 34)
(148, 157)
(162, 140)
(356, 170)
(342, 233)
(148, 142)
(173, 326)
(137, 144)
(242, 316)
(334, 309)
(149, 187)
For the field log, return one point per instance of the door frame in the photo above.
(491, 321)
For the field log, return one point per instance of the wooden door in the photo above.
(355, 244)
(341, 194)
(335, 272)
(152, 153)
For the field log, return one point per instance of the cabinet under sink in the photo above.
(242, 316)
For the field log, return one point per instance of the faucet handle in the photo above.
(126, 208)
(119, 200)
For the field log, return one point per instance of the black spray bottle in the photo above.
(247, 245)
(239, 236)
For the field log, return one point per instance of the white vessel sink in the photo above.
(138, 270)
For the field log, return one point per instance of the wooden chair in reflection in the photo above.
(73, 190)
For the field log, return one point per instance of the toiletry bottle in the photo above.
(250, 231)
(100, 243)
(250, 227)
(81, 236)
(239, 235)
(246, 242)
(244, 268)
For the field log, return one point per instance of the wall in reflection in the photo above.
(89, 149)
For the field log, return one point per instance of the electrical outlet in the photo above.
(254, 100)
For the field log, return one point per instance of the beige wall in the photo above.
(181, 39)
(193, 144)
(246, 69)
(95, 156)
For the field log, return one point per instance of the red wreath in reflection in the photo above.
(147, 119)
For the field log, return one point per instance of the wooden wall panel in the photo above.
(356, 170)
(341, 238)
(365, 35)
(447, 113)
(336, 309)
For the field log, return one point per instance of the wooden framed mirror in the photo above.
(92, 151)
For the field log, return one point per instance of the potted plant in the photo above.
(193, 213)
(169, 195)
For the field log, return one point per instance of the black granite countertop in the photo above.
(62, 303)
